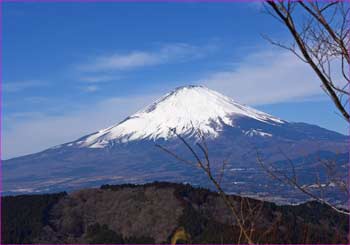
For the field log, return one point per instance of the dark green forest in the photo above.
(23, 217)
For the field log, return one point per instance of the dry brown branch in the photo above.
(292, 181)
(245, 230)
(321, 39)
(334, 176)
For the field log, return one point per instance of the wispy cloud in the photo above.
(99, 78)
(266, 77)
(17, 86)
(178, 52)
(31, 132)
(90, 88)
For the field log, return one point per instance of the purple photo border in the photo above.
(136, 1)
(1, 111)
(117, 1)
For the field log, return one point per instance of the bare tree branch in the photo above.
(284, 178)
(206, 168)
(322, 39)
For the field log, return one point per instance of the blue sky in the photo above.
(73, 68)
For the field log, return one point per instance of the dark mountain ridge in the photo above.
(156, 212)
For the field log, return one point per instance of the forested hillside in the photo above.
(158, 212)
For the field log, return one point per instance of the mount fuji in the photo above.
(126, 152)
(185, 110)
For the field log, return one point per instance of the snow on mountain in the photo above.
(184, 109)
(257, 132)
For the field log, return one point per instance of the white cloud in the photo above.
(135, 59)
(98, 78)
(91, 88)
(28, 133)
(266, 77)
(12, 87)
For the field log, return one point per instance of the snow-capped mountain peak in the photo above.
(184, 109)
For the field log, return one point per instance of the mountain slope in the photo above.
(184, 109)
(126, 152)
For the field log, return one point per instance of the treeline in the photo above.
(311, 222)
(201, 220)
(23, 217)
